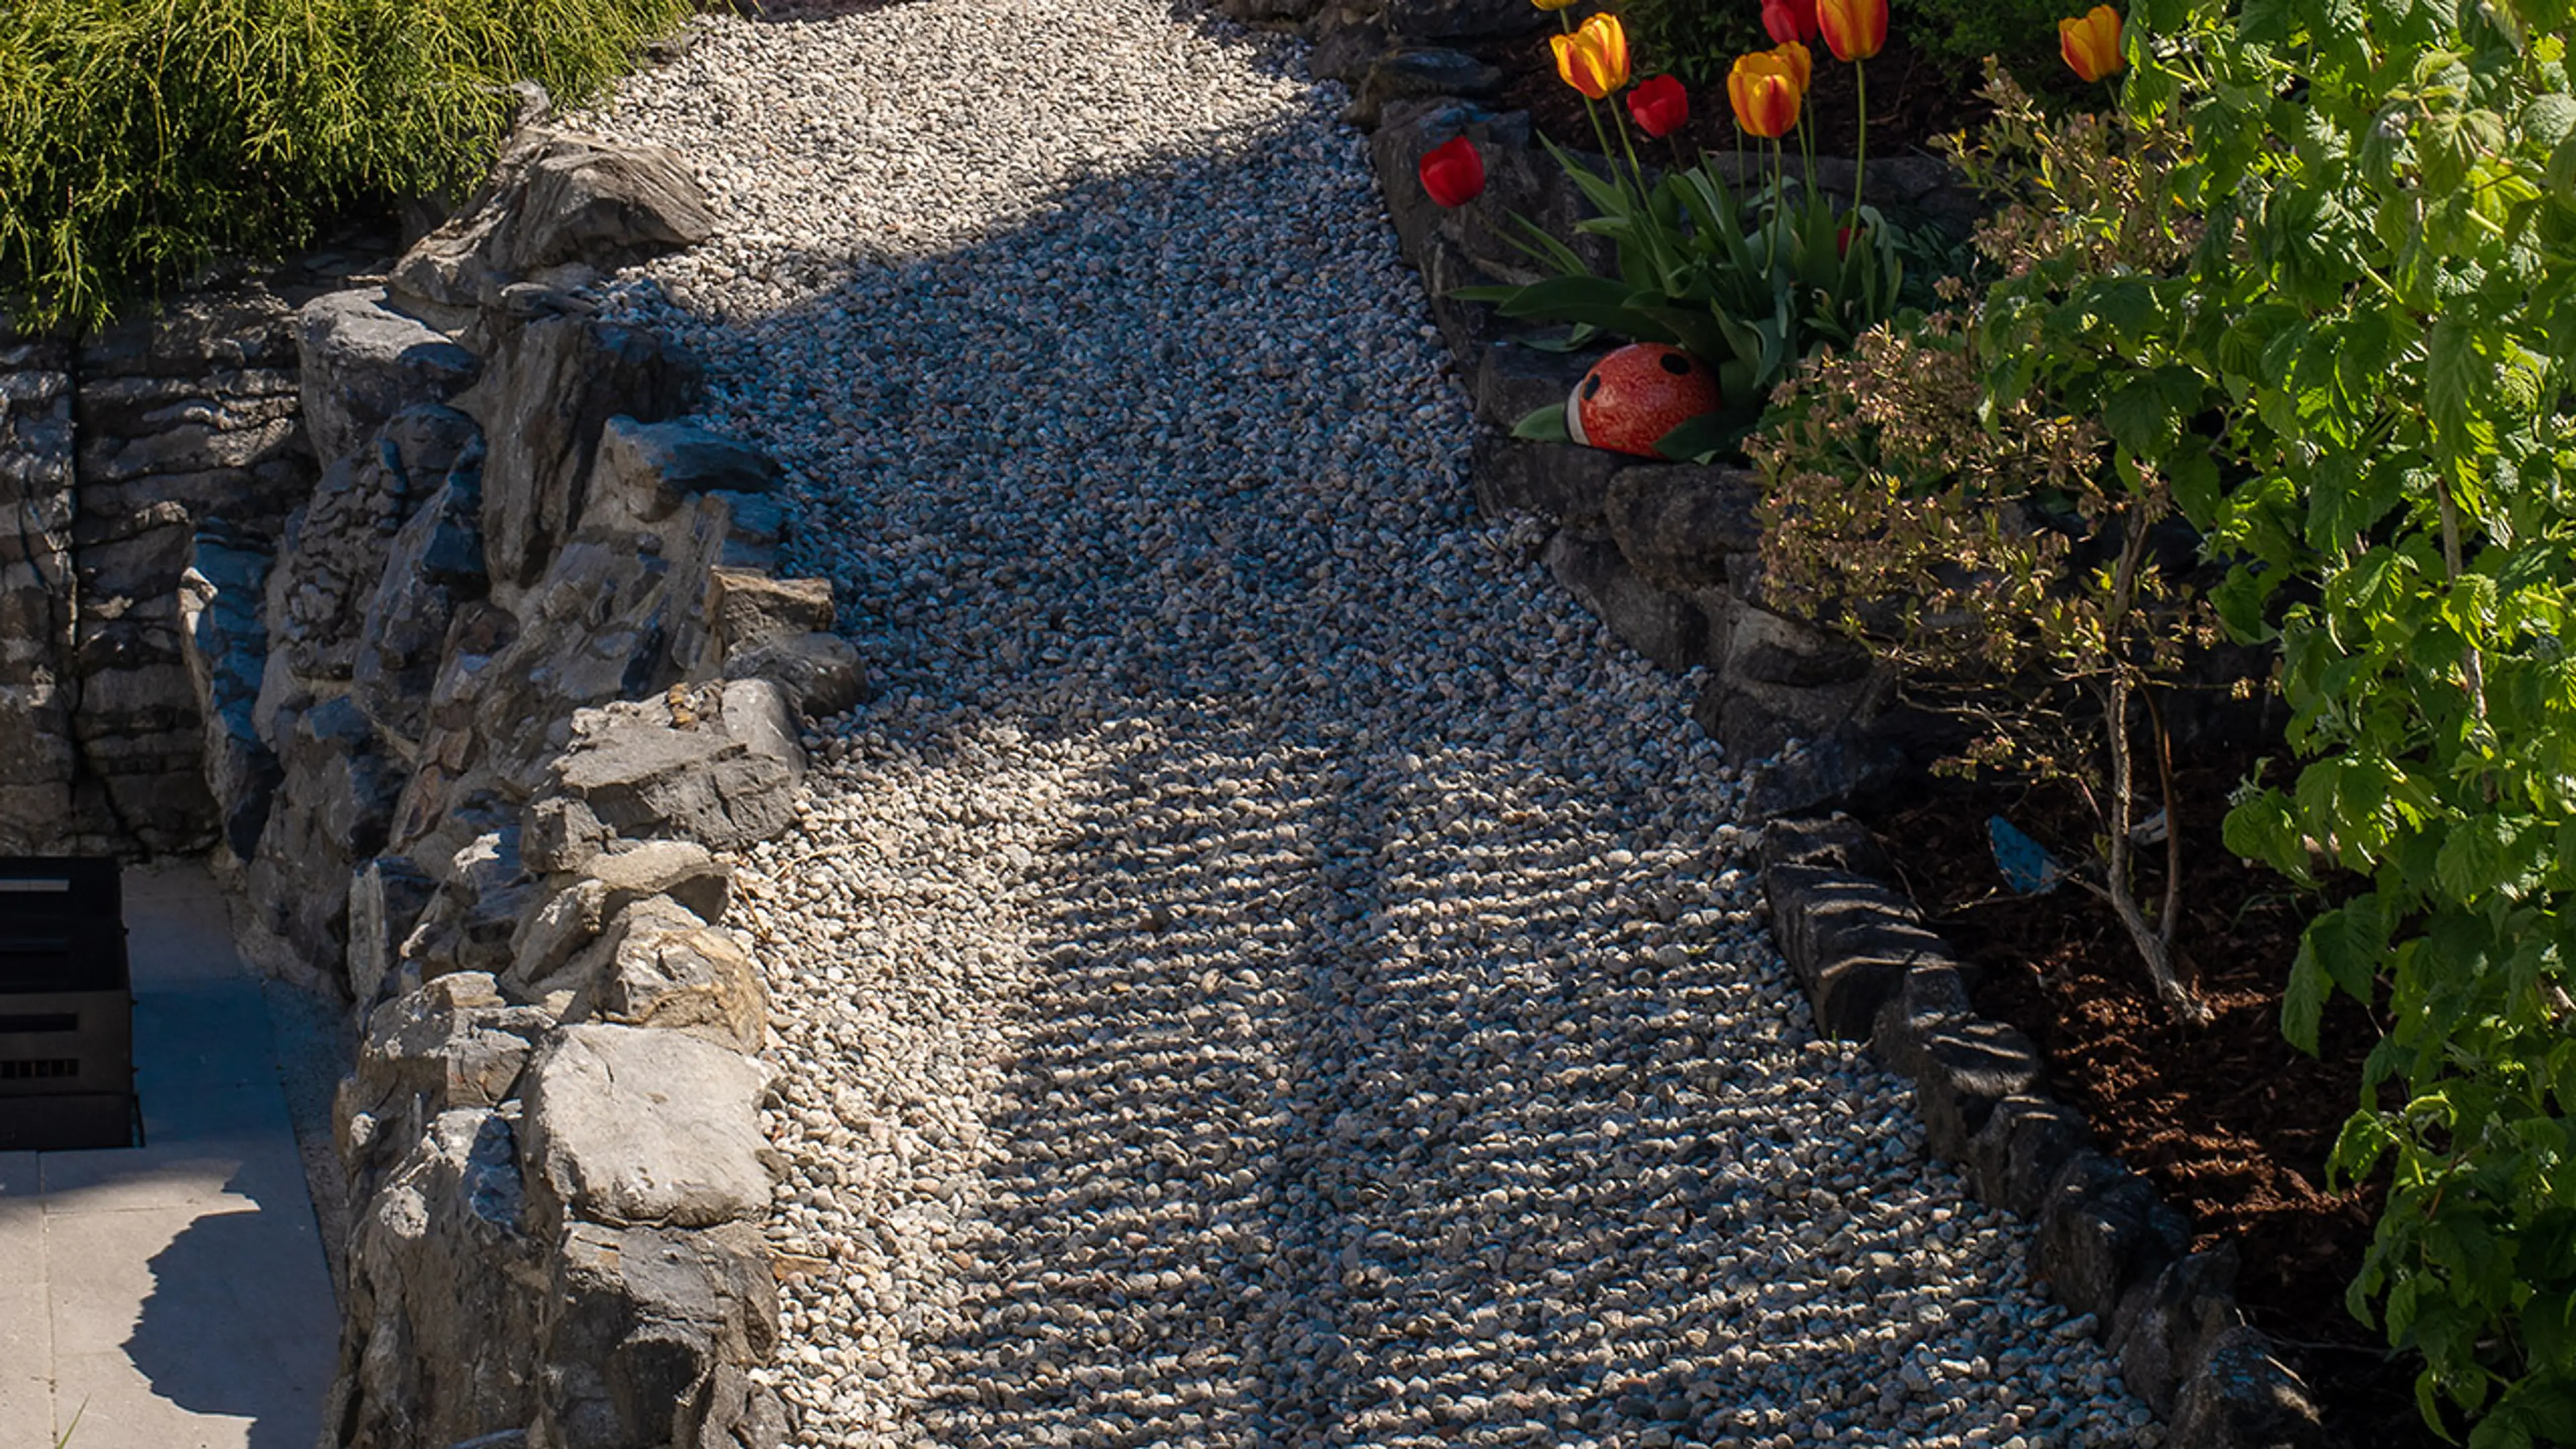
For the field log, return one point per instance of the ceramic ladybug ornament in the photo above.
(1637, 394)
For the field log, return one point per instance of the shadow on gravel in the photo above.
(1405, 1064)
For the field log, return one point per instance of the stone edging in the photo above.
(2110, 1248)
(1668, 556)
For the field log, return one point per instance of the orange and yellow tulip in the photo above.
(1551, 4)
(1801, 64)
(1594, 59)
(1764, 91)
(2091, 43)
(1853, 29)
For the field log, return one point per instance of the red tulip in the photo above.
(1660, 105)
(1789, 20)
(1452, 172)
(1853, 29)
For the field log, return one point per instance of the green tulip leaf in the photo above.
(1699, 439)
(1544, 425)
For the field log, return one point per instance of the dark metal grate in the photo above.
(66, 1006)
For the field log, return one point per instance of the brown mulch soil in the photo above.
(1914, 98)
(2231, 1123)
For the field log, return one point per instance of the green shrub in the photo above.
(2357, 385)
(139, 139)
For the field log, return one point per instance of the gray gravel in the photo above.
(1268, 969)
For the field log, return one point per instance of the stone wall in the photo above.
(117, 448)
(414, 604)
(477, 718)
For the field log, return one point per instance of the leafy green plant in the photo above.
(1751, 287)
(1990, 550)
(2356, 385)
(141, 138)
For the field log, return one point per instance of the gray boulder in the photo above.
(556, 198)
(335, 553)
(645, 472)
(661, 966)
(1514, 379)
(1413, 71)
(1559, 482)
(749, 606)
(434, 568)
(2244, 1397)
(1679, 522)
(1664, 627)
(363, 362)
(334, 809)
(1417, 20)
(2165, 1328)
(386, 901)
(447, 1044)
(443, 1296)
(820, 672)
(546, 396)
(225, 644)
(596, 630)
(644, 778)
(630, 1126)
(2103, 1229)
(647, 1336)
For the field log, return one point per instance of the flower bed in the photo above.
(2275, 353)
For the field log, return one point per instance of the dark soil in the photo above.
(1914, 98)
(2231, 1123)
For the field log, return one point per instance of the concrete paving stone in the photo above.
(190, 1112)
(118, 1410)
(209, 1302)
(202, 1033)
(18, 1175)
(221, 1314)
(26, 1329)
(202, 1171)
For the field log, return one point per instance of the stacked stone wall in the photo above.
(119, 449)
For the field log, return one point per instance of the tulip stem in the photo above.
(1653, 231)
(1860, 147)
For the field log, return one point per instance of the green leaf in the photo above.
(2261, 828)
(1698, 439)
(2303, 1002)
(2476, 853)
(2195, 482)
(1544, 425)
(2141, 418)
(2455, 373)
(2348, 944)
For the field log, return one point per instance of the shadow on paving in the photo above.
(208, 1335)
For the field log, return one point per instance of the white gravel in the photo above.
(1268, 970)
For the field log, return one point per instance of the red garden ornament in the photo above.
(1637, 394)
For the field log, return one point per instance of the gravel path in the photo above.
(1268, 970)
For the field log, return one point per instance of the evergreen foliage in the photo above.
(139, 139)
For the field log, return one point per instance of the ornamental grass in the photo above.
(141, 139)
